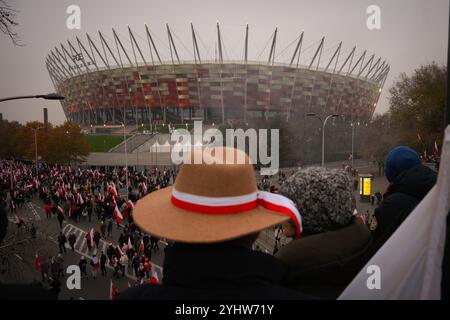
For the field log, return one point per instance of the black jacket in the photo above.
(323, 264)
(402, 196)
(216, 271)
(25, 292)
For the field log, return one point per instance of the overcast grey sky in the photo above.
(413, 32)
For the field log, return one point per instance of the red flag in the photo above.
(419, 138)
(80, 198)
(118, 214)
(37, 262)
(112, 189)
(436, 150)
(129, 244)
(112, 291)
(130, 204)
(90, 238)
(141, 246)
(154, 278)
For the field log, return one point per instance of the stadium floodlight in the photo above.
(50, 96)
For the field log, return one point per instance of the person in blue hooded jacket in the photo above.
(410, 181)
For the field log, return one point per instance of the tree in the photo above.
(66, 144)
(8, 22)
(417, 105)
(379, 138)
(10, 143)
(61, 144)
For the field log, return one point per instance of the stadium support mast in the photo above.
(219, 40)
(195, 45)
(352, 53)
(246, 76)
(172, 44)
(338, 50)
(319, 48)
(150, 44)
(272, 48)
(219, 44)
(134, 43)
(361, 59)
(373, 67)
(297, 49)
(365, 66)
(380, 67)
(246, 44)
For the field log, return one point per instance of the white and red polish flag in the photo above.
(90, 237)
(112, 189)
(154, 278)
(436, 150)
(130, 204)
(141, 246)
(112, 291)
(59, 209)
(118, 214)
(129, 245)
(80, 198)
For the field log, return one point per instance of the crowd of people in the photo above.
(90, 198)
(329, 243)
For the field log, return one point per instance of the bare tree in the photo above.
(8, 22)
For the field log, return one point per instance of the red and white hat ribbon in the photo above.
(230, 205)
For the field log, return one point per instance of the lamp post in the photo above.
(35, 148)
(50, 96)
(323, 131)
(353, 125)
(126, 158)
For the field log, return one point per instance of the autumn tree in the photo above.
(8, 137)
(417, 106)
(66, 144)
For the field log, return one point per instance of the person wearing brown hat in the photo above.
(214, 213)
(334, 244)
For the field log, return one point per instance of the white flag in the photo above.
(409, 264)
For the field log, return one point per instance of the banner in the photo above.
(409, 264)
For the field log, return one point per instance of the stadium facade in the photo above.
(106, 83)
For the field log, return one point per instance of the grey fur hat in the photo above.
(323, 196)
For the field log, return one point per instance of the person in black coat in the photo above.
(212, 256)
(410, 181)
(333, 245)
(216, 275)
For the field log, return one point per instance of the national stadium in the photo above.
(115, 79)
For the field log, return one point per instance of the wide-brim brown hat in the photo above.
(161, 215)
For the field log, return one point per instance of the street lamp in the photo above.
(35, 148)
(353, 125)
(50, 96)
(323, 131)
(126, 157)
